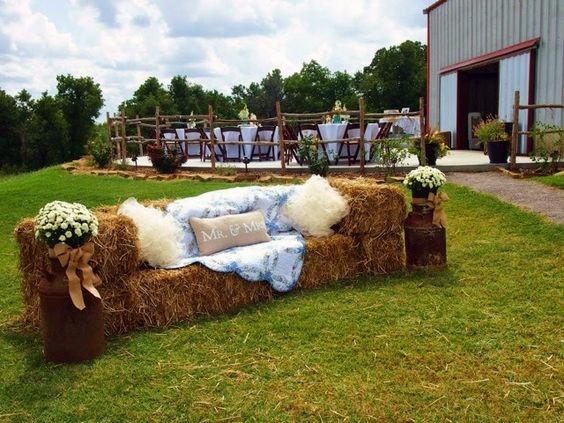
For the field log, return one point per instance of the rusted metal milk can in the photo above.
(425, 243)
(70, 335)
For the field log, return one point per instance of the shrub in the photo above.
(101, 150)
(549, 146)
(226, 170)
(165, 160)
(390, 152)
(311, 154)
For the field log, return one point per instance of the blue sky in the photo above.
(215, 43)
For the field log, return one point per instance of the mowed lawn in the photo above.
(482, 341)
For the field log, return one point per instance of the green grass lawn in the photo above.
(552, 180)
(481, 341)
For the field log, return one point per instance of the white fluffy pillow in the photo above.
(315, 207)
(158, 234)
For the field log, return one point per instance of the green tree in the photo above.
(48, 141)
(309, 90)
(25, 105)
(187, 97)
(9, 138)
(261, 98)
(147, 97)
(80, 100)
(395, 78)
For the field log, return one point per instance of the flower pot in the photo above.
(498, 151)
(431, 154)
(422, 193)
(70, 335)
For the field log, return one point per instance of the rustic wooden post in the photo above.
(109, 127)
(423, 134)
(116, 136)
(281, 150)
(514, 130)
(139, 135)
(158, 125)
(123, 138)
(212, 136)
(361, 145)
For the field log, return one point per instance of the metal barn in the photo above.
(481, 51)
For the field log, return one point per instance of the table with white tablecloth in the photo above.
(332, 132)
(248, 134)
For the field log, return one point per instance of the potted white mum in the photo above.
(70, 305)
(423, 180)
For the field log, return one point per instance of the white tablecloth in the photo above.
(193, 149)
(332, 132)
(248, 133)
(410, 125)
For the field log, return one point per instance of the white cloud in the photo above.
(214, 43)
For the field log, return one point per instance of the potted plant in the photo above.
(491, 132)
(165, 160)
(70, 305)
(390, 152)
(311, 154)
(435, 147)
(424, 180)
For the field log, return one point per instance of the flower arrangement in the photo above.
(338, 108)
(433, 137)
(424, 178)
(72, 224)
(165, 160)
(244, 113)
(492, 129)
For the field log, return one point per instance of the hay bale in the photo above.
(135, 297)
(329, 259)
(382, 254)
(165, 297)
(116, 256)
(375, 208)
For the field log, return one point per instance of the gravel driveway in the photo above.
(526, 194)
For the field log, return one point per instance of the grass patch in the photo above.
(552, 180)
(479, 342)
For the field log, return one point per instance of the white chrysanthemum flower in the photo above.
(64, 225)
(62, 238)
(78, 232)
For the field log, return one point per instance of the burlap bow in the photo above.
(435, 202)
(72, 259)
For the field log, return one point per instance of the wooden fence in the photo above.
(120, 125)
(515, 130)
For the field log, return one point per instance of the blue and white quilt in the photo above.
(279, 262)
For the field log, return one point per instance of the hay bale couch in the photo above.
(366, 242)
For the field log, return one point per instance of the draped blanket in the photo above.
(279, 262)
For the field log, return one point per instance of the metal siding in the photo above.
(449, 86)
(514, 76)
(463, 29)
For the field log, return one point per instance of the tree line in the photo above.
(52, 129)
(35, 133)
(394, 78)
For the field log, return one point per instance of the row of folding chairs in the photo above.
(349, 148)
(196, 143)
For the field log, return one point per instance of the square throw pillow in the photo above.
(315, 207)
(234, 230)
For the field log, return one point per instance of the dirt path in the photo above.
(526, 194)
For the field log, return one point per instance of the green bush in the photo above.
(549, 146)
(101, 150)
(390, 152)
(309, 151)
(165, 160)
